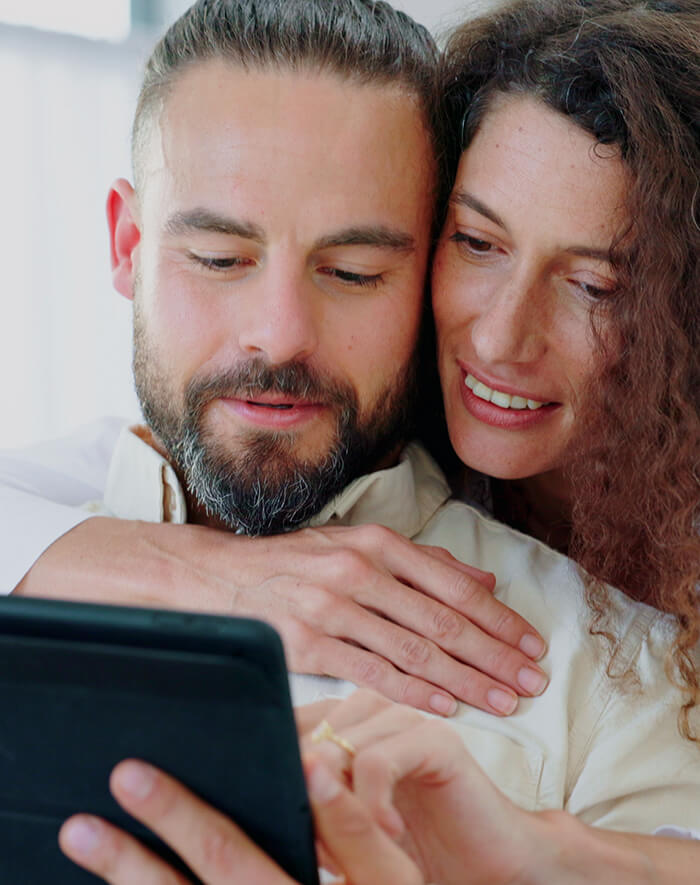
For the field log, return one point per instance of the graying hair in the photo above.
(365, 41)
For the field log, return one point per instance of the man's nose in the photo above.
(511, 326)
(281, 323)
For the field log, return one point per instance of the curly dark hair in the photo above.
(628, 73)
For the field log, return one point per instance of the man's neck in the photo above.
(197, 514)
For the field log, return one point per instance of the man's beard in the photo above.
(256, 484)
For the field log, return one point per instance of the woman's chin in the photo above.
(502, 461)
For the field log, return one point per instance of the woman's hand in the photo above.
(215, 848)
(360, 603)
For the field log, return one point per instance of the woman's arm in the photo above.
(362, 604)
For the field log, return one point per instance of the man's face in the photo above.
(276, 255)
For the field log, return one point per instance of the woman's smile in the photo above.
(521, 261)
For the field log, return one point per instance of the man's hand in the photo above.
(215, 848)
(361, 603)
(421, 811)
(420, 784)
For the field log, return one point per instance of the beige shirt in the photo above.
(605, 750)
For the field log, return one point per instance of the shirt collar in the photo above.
(142, 485)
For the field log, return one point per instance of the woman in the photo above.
(565, 288)
(565, 294)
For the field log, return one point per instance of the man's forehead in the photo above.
(223, 122)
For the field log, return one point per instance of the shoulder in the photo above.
(71, 467)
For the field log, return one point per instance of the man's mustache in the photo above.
(255, 377)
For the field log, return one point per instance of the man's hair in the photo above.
(363, 41)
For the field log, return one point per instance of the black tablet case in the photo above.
(205, 698)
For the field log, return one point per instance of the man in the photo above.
(275, 247)
(319, 329)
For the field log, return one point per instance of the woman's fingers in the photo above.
(113, 855)
(359, 847)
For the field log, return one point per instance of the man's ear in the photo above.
(124, 235)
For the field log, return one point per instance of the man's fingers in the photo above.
(359, 847)
(309, 715)
(113, 855)
(211, 845)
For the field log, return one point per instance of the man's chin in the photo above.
(309, 446)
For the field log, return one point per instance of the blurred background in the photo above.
(69, 76)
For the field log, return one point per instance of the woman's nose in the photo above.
(511, 325)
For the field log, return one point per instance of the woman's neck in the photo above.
(537, 505)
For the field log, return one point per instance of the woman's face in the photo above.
(522, 259)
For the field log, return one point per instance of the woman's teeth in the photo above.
(498, 398)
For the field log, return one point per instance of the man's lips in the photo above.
(273, 410)
(276, 401)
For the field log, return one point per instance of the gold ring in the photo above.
(324, 732)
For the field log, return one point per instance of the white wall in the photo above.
(65, 110)
(440, 14)
(435, 14)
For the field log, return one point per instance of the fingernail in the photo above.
(502, 701)
(137, 779)
(82, 836)
(321, 784)
(533, 681)
(443, 704)
(532, 646)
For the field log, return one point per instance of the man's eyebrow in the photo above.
(464, 198)
(380, 237)
(212, 222)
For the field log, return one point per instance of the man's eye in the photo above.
(352, 279)
(219, 264)
(473, 244)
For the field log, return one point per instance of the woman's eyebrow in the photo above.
(464, 198)
(590, 252)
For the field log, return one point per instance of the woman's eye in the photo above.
(352, 279)
(474, 244)
(594, 293)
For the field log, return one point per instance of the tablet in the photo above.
(205, 698)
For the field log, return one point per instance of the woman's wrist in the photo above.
(568, 852)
